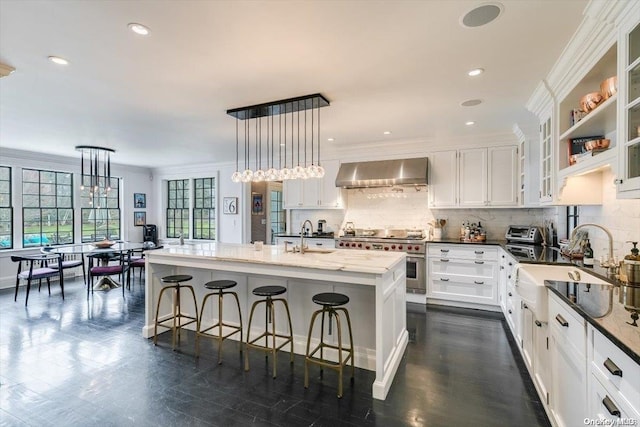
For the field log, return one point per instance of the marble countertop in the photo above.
(348, 260)
(600, 305)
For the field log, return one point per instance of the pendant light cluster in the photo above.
(95, 167)
(283, 137)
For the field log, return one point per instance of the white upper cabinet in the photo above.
(503, 177)
(443, 179)
(473, 177)
(315, 193)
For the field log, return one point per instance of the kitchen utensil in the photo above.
(321, 225)
(442, 223)
(630, 297)
(609, 87)
(349, 229)
(632, 266)
(590, 101)
(597, 144)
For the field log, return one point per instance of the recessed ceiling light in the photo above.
(476, 72)
(330, 139)
(387, 132)
(58, 60)
(139, 29)
(471, 102)
(470, 123)
(481, 15)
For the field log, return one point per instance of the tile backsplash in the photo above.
(385, 208)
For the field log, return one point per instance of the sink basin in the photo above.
(530, 284)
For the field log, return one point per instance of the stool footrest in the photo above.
(205, 332)
(327, 362)
(287, 340)
(179, 324)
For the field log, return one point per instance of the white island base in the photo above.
(373, 281)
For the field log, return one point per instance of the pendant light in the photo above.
(290, 113)
(95, 168)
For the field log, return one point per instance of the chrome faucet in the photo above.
(302, 233)
(573, 233)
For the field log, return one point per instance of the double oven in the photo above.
(411, 243)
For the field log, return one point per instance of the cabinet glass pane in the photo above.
(634, 45)
(634, 83)
(633, 156)
(634, 122)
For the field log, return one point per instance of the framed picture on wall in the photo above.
(257, 207)
(230, 205)
(139, 200)
(139, 218)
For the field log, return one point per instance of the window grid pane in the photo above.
(204, 213)
(47, 199)
(177, 208)
(6, 210)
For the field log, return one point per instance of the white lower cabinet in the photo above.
(614, 390)
(463, 273)
(567, 345)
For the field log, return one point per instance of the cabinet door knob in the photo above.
(617, 181)
(538, 323)
(510, 294)
(612, 367)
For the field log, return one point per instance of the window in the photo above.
(204, 208)
(177, 208)
(100, 212)
(6, 210)
(47, 207)
(277, 214)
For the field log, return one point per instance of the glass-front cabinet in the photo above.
(546, 160)
(629, 155)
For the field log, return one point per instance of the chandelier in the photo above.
(283, 137)
(95, 167)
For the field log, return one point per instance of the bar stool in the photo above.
(219, 287)
(174, 283)
(269, 292)
(330, 303)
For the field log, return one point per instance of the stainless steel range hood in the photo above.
(383, 173)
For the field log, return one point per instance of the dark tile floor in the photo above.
(85, 363)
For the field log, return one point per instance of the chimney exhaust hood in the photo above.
(383, 173)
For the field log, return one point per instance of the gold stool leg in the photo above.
(199, 325)
(340, 365)
(235, 295)
(246, 353)
(220, 327)
(155, 325)
(286, 307)
(352, 351)
(176, 316)
(273, 334)
(306, 359)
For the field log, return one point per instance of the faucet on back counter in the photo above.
(303, 234)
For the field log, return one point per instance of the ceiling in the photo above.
(161, 100)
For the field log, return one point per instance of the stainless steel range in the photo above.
(412, 242)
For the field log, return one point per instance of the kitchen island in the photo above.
(373, 281)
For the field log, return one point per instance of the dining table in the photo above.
(99, 251)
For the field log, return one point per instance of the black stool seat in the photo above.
(220, 284)
(330, 299)
(177, 278)
(269, 291)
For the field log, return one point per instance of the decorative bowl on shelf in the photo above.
(103, 244)
(597, 144)
(609, 87)
(590, 101)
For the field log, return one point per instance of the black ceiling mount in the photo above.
(274, 108)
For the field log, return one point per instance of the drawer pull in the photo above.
(510, 294)
(444, 260)
(510, 311)
(443, 279)
(538, 323)
(444, 250)
(478, 282)
(510, 264)
(479, 252)
(612, 367)
(479, 262)
(611, 407)
(561, 320)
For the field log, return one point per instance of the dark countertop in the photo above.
(600, 306)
